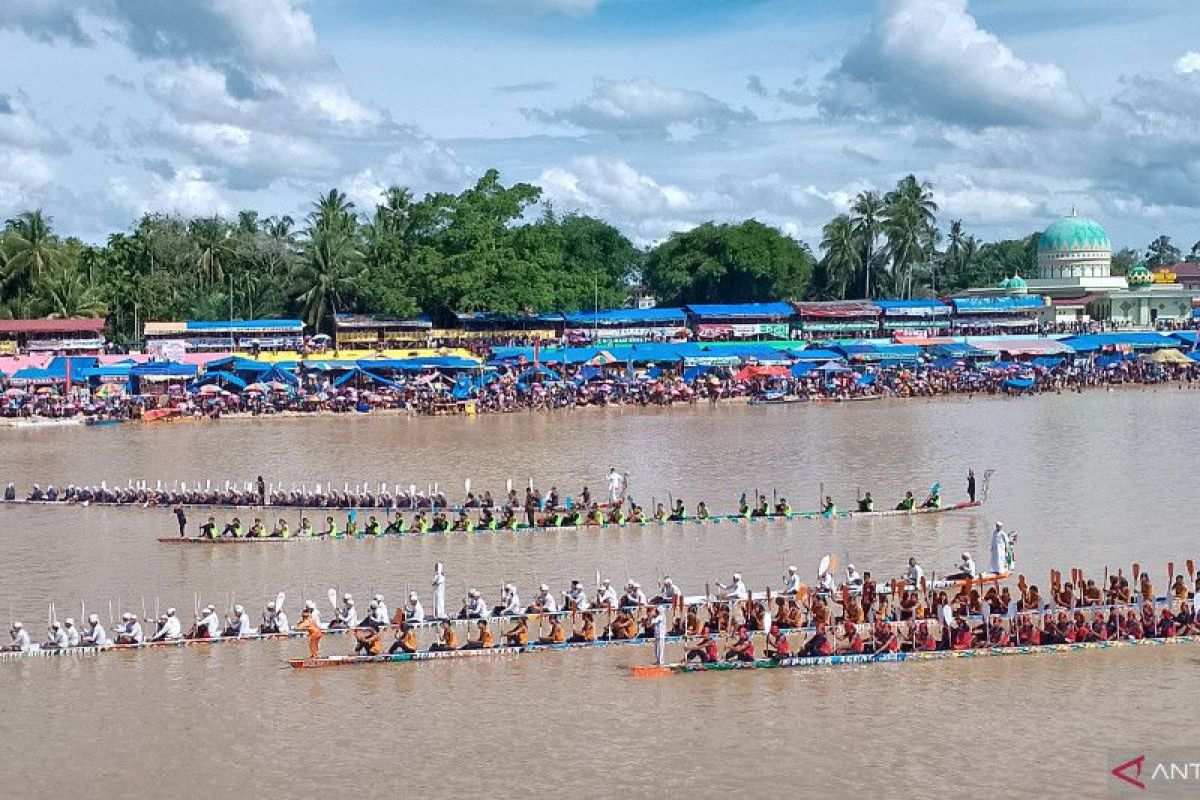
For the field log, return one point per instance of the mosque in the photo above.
(1074, 276)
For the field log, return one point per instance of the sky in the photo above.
(656, 115)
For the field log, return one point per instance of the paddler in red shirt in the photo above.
(924, 640)
(885, 640)
(961, 638)
(819, 644)
(854, 644)
(777, 645)
(742, 649)
(706, 651)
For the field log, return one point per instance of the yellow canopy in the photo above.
(1170, 356)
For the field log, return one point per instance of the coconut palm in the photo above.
(866, 217)
(843, 252)
(211, 235)
(30, 249)
(64, 293)
(331, 211)
(328, 273)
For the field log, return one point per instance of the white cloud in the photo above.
(960, 197)
(1188, 63)
(187, 193)
(642, 105)
(930, 58)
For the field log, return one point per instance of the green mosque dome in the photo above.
(1073, 233)
(1139, 275)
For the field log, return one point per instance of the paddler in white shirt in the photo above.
(575, 598)
(380, 613)
(414, 612)
(544, 602)
(20, 639)
(72, 632)
(58, 638)
(169, 628)
(130, 631)
(94, 634)
(853, 579)
(208, 624)
(474, 607)
(966, 569)
(239, 623)
(791, 581)
(669, 592)
(606, 595)
(914, 574)
(825, 582)
(347, 615)
(634, 596)
(510, 602)
(736, 590)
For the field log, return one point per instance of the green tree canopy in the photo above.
(728, 264)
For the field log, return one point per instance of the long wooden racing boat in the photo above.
(735, 519)
(800, 662)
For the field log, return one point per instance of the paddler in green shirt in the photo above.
(679, 513)
(830, 507)
(331, 529)
(233, 529)
(372, 528)
(934, 500)
(763, 509)
(867, 503)
(743, 508)
(306, 528)
(209, 529)
(702, 511)
(782, 509)
(660, 513)
(908, 503)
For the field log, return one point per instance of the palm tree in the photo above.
(332, 265)
(63, 293)
(909, 226)
(867, 219)
(30, 249)
(331, 211)
(843, 252)
(211, 236)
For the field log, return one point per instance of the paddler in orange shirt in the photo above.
(449, 640)
(406, 640)
(307, 623)
(518, 635)
(485, 641)
(557, 634)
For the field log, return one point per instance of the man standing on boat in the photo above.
(181, 518)
(971, 485)
(1001, 546)
(614, 485)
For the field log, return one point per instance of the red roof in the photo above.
(73, 325)
(838, 309)
(1184, 269)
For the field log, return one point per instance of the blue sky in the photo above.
(655, 114)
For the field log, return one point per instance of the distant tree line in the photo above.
(492, 248)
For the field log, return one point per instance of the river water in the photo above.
(1092, 480)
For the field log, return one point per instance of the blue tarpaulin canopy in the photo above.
(164, 369)
(802, 368)
(359, 374)
(627, 316)
(1020, 384)
(276, 374)
(958, 350)
(815, 354)
(222, 378)
(983, 305)
(1145, 340)
(779, 310)
(690, 374)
